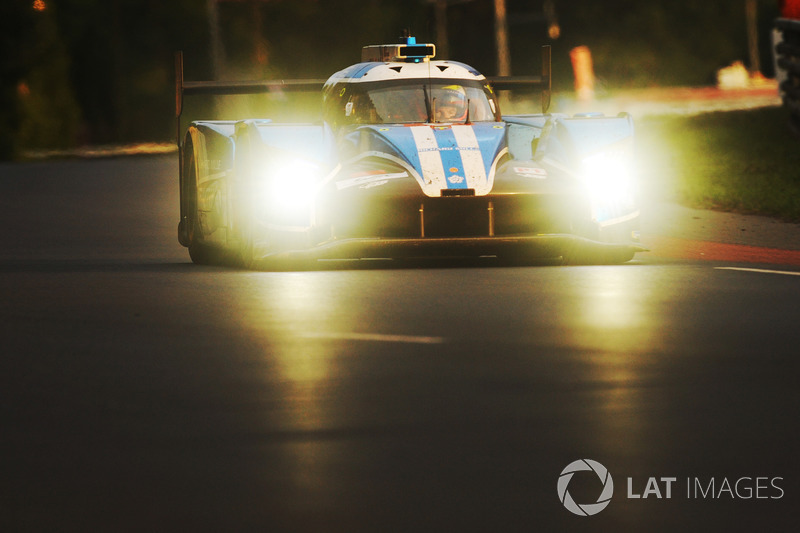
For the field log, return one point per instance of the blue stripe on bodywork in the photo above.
(451, 158)
(400, 141)
(491, 139)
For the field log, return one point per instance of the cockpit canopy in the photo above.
(411, 101)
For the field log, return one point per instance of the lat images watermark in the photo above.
(666, 488)
(585, 509)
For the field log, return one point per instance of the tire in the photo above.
(246, 257)
(200, 252)
(248, 231)
(244, 213)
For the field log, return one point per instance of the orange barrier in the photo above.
(584, 72)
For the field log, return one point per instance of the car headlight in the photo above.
(292, 186)
(285, 193)
(608, 177)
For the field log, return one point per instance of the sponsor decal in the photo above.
(369, 180)
(531, 172)
(372, 184)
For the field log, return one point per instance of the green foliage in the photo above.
(744, 161)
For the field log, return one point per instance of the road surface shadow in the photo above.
(60, 266)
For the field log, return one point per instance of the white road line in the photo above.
(375, 337)
(761, 270)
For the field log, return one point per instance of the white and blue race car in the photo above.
(413, 159)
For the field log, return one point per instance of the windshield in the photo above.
(413, 101)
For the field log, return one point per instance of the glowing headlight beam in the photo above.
(293, 185)
(287, 187)
(608, 177)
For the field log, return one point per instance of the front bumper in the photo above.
(411, 216)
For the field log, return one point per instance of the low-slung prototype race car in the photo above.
(413, 159)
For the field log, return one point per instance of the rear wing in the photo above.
(543, 82)
(188, 88)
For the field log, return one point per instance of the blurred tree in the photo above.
(676, 42)
(313, 38)
(123, 62)
(115, 58)
(42, 111)
(16, 28)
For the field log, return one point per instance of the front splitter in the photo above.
(565, 248)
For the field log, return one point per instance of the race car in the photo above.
(412, 159)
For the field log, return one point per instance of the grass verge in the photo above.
(742, 161)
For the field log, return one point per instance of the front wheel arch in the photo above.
(200, 252)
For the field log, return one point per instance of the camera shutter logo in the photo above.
(585, 509)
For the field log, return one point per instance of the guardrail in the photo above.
(786, 40)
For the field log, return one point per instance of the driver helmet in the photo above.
(451, 106)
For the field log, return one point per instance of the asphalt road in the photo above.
(139, 392)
